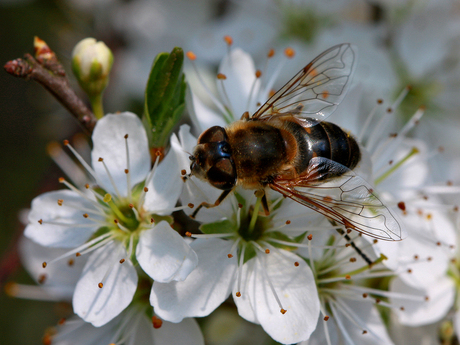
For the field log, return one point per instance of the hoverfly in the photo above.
(287, 146)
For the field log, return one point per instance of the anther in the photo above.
(310, 237)
(258, 74)
(390, 162)
(61, 179)
(352, 259)
(100, 285)
(146, 189)
(100, 159)
(271, 52)
(191, 55)
(378, 300)
(347, 245)
(409, 270)
(288, 222)
(122, 260)
(71, 262)
(365, 295)
(229, 256)
(326, 318)
(296, 264)
(152, 220)
(402, 205)
(126, 136)
(126, 171)
(44, 264)
(289, 52)
(389, 110)
(85, 215)
(156, 322)
(375, 241)
(379, 101)
(65, 142)
(267, 251)
(62, 321)
(364, 331)
(347, 276)
(429, 258)
(401, 308)
(438, 243)
(283, 311)
(191, 205)
(221, 76)
(131, 205)
(416, 257)
(228, 40)
(183, 172)
(188, 234)
(40, 221)
(60, 202)
(240, 205)
(42, 278)
(238, 294)
(427, 298)
(77, 254)
(87, 186)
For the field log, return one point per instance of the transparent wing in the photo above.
(338, 193)
(317, 89)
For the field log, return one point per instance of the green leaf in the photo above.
(219, 227)
(164, 97)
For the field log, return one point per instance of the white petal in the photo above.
(76, 331)
(296, 289)
(100, 305)
(239, 69)
(164, 255)
(166, 184)
(203, 290)
(60, 276)
(202, 116)
(46, 207)
(364, 314)
(441, 295)
(109, 144)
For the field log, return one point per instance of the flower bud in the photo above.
(91, 64)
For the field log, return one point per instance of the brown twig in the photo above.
(46, 70)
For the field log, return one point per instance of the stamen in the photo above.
(253, 86)
(394, 167)
(369, 118)
(110, 178)
(282, 310)
(65, 163)
(128, 175)
(240, 269)
(147, 181)
(227, 235)
(120, 226)
(80, 193)
(213, 98)
(29, 292)
(83, 162)
(227, 106)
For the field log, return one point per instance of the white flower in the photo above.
(250, 257)
(113, 221)
(131, 327)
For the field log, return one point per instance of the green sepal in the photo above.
(219, 227)
(164, 97)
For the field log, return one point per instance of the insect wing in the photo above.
(317, 89)
(338, 193)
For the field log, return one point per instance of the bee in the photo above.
(287, 146)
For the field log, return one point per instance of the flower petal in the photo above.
(203, 290)
(166, 184)
(100, 305)
(201, 115)
(239, 70)
(441, 295)
(45, 207)
(164, 255)
(61, 277)
(109, 144)
(296, 289)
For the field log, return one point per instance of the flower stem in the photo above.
(96, 104)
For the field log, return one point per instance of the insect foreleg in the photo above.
(208, 205)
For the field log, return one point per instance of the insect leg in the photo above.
(208, 205)
(355, 247)
(265, 204)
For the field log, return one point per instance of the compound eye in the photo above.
(213, 135)
(222, 175)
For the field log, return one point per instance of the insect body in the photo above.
(287, 147)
